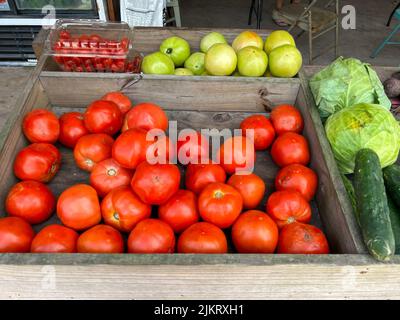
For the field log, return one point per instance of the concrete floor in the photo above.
(371, 17)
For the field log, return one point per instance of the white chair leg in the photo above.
(177, 15)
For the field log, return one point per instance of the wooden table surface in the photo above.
(297, 281)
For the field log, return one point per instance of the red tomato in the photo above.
(38, 161)
(300, 238)
(78, 207)
(92, 149)
(30, 200)
(250, 186)
(130, 148)
(160, 150)
(286, 118)
(237, 154)
(287, 207)
(101, 239)
(263, 131)
(151, 236)
(71, 128)
(41, 125)
(180, 211)
(220, 204)
(15, 235)
(156, 183)
(199, 176)
(55, 239)
(297, 178)
(202, 237)
(122, 101)
(255, 232)
(146, 116)
(108, 175)
(290, 148)
(103, 116)
(192, 147)
(123, 209)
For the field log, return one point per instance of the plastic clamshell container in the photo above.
(92, 46)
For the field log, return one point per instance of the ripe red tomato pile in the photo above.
(92, 53)
(133, 205)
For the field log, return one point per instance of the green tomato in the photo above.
(220, 60)
(183, 72)
(210, 39)
(285, 61)
(252, 62)
(177, 49)
(276, 39)
(195, 63)
(158, 63)
(247, 39)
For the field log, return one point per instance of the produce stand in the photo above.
(196, 101)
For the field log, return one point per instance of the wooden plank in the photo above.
(330, 197)
(148, 39)
(196, 93)
(278, 281)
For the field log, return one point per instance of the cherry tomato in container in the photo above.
(122, 209)
(237, 154)
(55, 239)
(192, 147)
(30, 200)
(146, 116)
(155, 183)
(92, 149)
(290, 148)
(286, 118)
(300, 238)
(129, 149)
(108, 175)
(38, 161)
(263, 131)
(72, 128)
(16, 235)
(101, 239)
(220, 204)
(103, 116)
(250, 186)
(78, 207)
(151, 236)
(41, 125)
(255, 232)
(198, 176)
(287, 206)
(297, 177)
(122, 101)
(64, 34)
(180, 211)
(202, 237)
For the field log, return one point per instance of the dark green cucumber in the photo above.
(372, 205)
(391, 175)
(395, 222)
(350, 192)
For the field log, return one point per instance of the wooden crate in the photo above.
(212, 103)
(348, 273)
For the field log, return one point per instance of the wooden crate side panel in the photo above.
(15, 139)
(148, 39)
(172, 92)
(332, 199)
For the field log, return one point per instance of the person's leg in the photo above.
(276, 15)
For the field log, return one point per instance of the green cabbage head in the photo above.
(363, 126)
